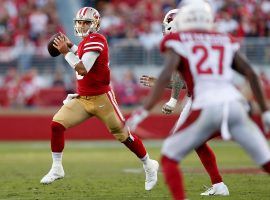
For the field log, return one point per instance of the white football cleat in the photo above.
(56, 172)
(217, 189)
(151, 171)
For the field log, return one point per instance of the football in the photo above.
(51, 49)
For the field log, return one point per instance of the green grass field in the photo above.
(106, 170)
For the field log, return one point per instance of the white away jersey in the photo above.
(206, 59)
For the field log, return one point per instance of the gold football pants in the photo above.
(102, 106)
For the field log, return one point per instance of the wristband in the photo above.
(74, 48)
(172, 102)
(72, 59)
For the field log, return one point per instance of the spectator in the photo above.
(28, 88)
(24, 49)
(226, 24)
(58, 80)
(127, 89)
(10, 81)
(152, 35)
(111, 24)
(38, 22)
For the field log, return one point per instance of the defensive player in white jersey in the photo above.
(204, 152)
(206, 61)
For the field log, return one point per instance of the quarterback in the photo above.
(206, 60)
(90, 60)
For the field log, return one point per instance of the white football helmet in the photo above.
(87, 14)
(168, 25)
(194, 15)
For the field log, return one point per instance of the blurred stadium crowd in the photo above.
(35, 20)
(26, 25)
(28, 89)
(141, 19)
(27, 22)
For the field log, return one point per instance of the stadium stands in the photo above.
(25, 26)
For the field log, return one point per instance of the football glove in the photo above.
(266, 121)
(147, 81)
(168, 107)
(137, 116)
(70, 97)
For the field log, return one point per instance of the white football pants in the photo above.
(240, 127)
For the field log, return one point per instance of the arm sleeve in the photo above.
(89, 58)
(74, 48)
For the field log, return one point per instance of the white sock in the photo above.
(218, 184)
(146, 159)
(57, 158)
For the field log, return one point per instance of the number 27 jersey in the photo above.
(206, 65)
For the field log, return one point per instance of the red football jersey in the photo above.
(97, 80)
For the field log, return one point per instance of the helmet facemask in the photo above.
(86, 14)
(83, 31)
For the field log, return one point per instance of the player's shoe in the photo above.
(151, 171)
(56, 172)
(217, 189)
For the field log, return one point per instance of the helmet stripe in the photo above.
(80, 11)
(84, 11)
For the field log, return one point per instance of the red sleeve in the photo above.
(166, 38)
(96, 42)
(235, 43)
(234, 39)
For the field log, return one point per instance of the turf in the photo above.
(106, 170)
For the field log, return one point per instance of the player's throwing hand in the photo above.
(61, 44)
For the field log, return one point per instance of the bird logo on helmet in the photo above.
(168, 25)
(90, 15)
(194, 15)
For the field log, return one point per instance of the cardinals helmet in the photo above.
(194, 15)
(168, 25)
(88, 14)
